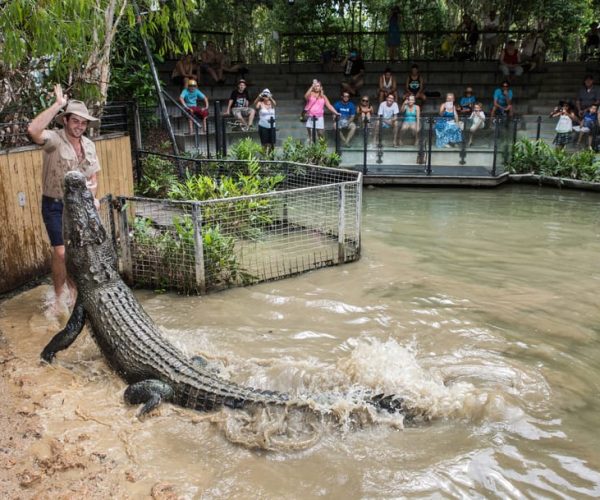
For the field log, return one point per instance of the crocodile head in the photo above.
(81, 222)
(90, 256)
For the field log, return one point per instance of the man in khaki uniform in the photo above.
(64, 150)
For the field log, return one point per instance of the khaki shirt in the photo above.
(60, 158)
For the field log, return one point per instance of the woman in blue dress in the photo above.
(447, 129)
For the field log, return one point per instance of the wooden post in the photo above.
(198, 249)
(341, 223)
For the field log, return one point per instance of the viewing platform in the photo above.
(482, 164)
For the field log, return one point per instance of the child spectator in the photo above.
(477, 119)
(564, 127)
(589, 123)
(189, 99)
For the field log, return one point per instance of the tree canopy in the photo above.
(73, 41)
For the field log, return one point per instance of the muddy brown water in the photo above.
(480, 307)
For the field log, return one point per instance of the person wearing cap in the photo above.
(189, 99)
(265, 105)
(239, 106)
(63, 150)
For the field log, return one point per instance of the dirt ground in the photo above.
(36, 464)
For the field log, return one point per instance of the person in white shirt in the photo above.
(388, 115)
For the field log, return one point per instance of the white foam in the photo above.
(389, 368)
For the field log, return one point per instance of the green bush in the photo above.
(165, 258)
(157, 177)
(294, 150)
(537, 157)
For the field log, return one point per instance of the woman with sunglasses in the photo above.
(365, 109)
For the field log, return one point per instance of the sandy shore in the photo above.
(36, 461)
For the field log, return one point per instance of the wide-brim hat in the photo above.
(78, 108)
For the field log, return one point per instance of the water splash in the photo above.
(390, 368)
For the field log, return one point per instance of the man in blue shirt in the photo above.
(189, 99)
(503, 100)
(345, 121)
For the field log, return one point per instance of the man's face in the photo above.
(241, 86)
(345, 97)
(389, 100)
(588, 82)
(75, 126)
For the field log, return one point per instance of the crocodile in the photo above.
(131, 342)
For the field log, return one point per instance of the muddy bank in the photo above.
(35, 460)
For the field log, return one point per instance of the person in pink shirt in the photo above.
(316, 101)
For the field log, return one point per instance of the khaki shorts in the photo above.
(241, 112)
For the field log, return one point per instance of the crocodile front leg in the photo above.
(67, 335)
(151, 392)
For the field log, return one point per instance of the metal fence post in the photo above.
(538, 131)
(463, 144)
(514, 134)
(494, 158)
(341, 223)
(111, 220)
(198, 249)
(429, 145)
(380, 139)
(365, 143)
(218, 129)
(126, 262)
(337, 134)
(421, 152)
(314, 129)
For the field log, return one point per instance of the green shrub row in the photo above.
(537, 157)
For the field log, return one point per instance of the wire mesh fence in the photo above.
(311, 219)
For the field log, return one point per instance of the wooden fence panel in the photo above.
(24, 245)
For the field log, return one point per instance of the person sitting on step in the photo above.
(388, 117)
(239, 106)
(189, 99)
(411, 113)
(387, 85)
(477, 119)
(345, 107)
